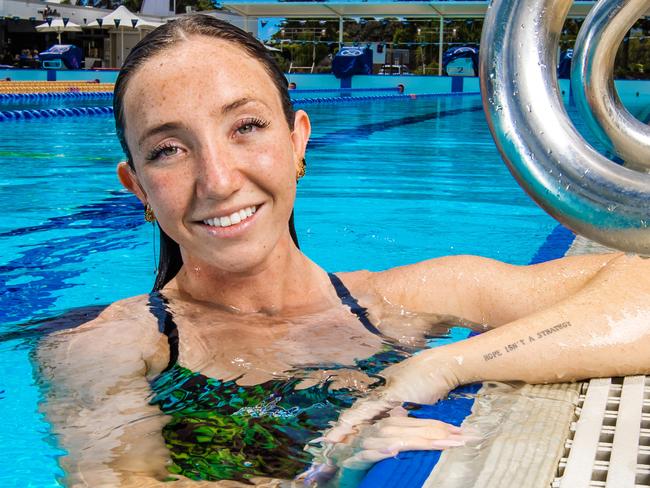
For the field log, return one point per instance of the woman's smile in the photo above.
(231, 224)
(231, 218)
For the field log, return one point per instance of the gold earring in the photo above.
(300, 172)
(149, 216)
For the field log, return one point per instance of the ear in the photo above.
(300, 134)
(129, 180)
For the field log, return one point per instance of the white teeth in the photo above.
(234, 218)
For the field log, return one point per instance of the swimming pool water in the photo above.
(388, 183)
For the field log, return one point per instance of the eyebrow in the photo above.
(169, 126)
(240, 102)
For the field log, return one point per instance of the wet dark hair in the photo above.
(166, 37)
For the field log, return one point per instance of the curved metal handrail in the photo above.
(552, 162)
(592, 80)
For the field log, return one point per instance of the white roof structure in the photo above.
(125, 19)
(372, 8)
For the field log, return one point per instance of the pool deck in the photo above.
(572, 435)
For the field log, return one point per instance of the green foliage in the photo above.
(133, 5)
(421, 38)
(633, 55)
(401, 35)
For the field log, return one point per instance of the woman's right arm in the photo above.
(96, 389)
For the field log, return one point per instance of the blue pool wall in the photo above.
(304, 81)
(104, 76)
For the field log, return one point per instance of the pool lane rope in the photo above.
(311, 101)
(38, 113)
(20, 97)
(30, 114)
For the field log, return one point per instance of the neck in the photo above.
(287, 282)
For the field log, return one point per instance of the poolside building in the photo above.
(106, 46)
(103, 46)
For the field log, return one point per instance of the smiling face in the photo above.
(213, 153)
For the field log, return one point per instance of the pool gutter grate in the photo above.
(609, 445)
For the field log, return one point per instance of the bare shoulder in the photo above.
(124, 331)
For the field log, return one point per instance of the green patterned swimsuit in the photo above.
(222, 431)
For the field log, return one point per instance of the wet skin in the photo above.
(207, 142)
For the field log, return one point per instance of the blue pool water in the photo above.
(29, 104)
(388, 183)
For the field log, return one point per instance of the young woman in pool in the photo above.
(247, 350)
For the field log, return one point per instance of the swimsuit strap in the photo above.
(347, 299)
(166, 325)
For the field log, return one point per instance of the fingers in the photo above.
(352, 421)
(412, 434)
(376, 449)
(384, 448)
(361, 413)
(416, 422)
(398, 444)
(432, 432)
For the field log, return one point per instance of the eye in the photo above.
(247, 126)
(166, 150)
(244, 129)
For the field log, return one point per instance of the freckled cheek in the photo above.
(170, 195)
(274, 159)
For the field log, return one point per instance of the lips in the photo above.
(231, 219)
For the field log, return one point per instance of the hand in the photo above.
(344, 464)
(377, 427)
(423, 379)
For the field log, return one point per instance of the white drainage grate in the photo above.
(609, 445)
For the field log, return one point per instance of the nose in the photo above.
(217, 175)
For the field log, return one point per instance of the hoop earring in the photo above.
(149, 216)
(302, 169)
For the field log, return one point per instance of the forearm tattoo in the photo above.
(523, 342)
